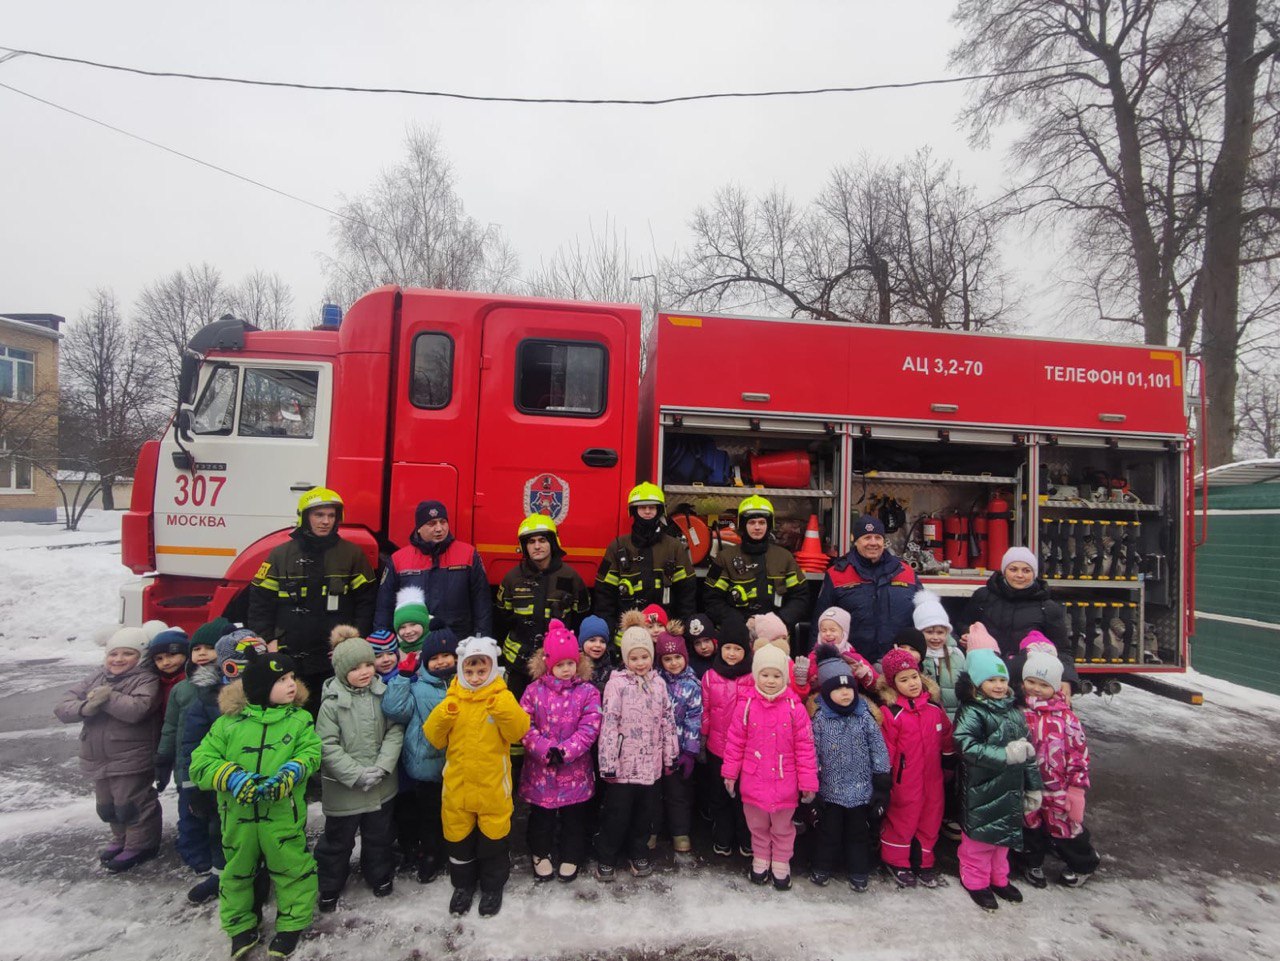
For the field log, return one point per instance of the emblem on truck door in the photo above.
(547, 494)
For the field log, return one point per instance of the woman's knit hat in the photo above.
(1035, 641)
(593, 626)
(384, 641)
(129, 639)
(670, 644)
(833, 670)
(1026, 556)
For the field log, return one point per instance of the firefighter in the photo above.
(539, 588)
(757, 576)
(647, 566)
(308, 585)
(450, 574)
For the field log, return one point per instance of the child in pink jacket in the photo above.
(770, 751)
(1062, 754)
(637, 746)
(728, 681)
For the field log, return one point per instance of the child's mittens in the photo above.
(1018, 752)
(163, 771)
(243, 786)
(555, 756)
(802, 671)
(1031, 801)
(203, 804)
(95, 699)
(370, 778)
(1075, 804)
(731, 786)
(806, 797)
(409, 665)
(880, 784)
(452, 706)
(280, 785)
(684, 764)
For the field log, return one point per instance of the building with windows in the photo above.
(28, 415)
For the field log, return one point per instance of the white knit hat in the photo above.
(129, 639)
(929, 611)
(1014, 554)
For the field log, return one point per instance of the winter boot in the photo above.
(1072, 879)
(283, 944)
(428, 868)
(820, 878)
(902, 877)
(759, 875)
(328, 903)
(1008, 893)
(604, 872)
(1035, 877)
(243, 943)
(383, 889)
(205, 889)
(984, 899)
(927, 877)
(782, 883)
(859, 883)
(110, 851)
(129, 858)
(460, 903)
(490, 903)
(642, 867)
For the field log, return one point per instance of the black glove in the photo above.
(555, 756)
(164, 770)
(879, 796)
(203, 804)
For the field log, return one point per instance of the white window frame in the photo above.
(9, 472)
(16, 364)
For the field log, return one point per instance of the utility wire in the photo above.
(577, 101)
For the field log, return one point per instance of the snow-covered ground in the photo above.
(1182, 808)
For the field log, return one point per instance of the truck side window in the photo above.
(431, 384)
(279, 402)
(215, 411)
(561, 378)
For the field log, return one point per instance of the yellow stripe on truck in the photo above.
(197, 551)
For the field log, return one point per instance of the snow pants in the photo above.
(908, 818)
(129, 806)
(625, 819)
(728, 823)
(843, 830)
(572, 821)
(198, 842)
(251, 836)
(458, 822)
(333, 850)
(773, 836)
(1076, 853)
(417, 817)
(982, 865)
(479, 860)
(675, 813)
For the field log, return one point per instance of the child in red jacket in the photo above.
(918, 735)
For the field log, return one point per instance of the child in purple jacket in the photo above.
(558, 777)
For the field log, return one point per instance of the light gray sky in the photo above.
(84, 207)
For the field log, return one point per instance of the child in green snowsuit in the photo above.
(258, 756)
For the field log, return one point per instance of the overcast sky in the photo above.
(84, 207)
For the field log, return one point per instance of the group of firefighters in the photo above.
(317, 580)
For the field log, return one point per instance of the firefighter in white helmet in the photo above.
(757, 576)
(539, 588)
(648, 566)
(308, 585)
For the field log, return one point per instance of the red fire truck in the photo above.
(505, 406)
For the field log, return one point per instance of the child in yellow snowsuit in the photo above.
(475, 725)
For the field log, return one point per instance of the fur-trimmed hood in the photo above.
(887, 694)
(232, 700)
(538, 665)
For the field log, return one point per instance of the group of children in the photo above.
(616, 742)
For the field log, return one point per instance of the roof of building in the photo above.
(44, 325)
(1261, 471)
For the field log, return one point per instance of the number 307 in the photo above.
(194, 490)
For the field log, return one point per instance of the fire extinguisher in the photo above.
(999, 516)
(955, 529)
(931, 536)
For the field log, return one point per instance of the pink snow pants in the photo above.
(982, 865)
(773, 836)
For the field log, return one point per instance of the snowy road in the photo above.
(1183, 809)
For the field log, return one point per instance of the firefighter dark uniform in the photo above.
(756, 576)
(528, 599)
(647, 566)
(306, 587)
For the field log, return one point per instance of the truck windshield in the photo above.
(216, 410)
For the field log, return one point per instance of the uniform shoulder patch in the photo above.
(263, 571)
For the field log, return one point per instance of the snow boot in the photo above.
(782, 883)
(110, 851)
(243, 943)
(490, 903)
(1008, 893)
(1035, 877)
(604, 872)
(984, 899)
(383, 889)
(642, 867)
(127, 859)
(428, 868)
(859, 883)
(1071, 879)
(758, 877)
(460, 903)
(903, 877)
(205, 889)
(283, 944)
(328, 903)
(820, 878)
(927, 877)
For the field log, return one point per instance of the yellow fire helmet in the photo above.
(646, 493)
(319, 497)
(755, 506)
(537, 524)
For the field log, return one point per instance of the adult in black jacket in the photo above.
(309, 585)
(1015, 602)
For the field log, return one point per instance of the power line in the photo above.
(576, 101)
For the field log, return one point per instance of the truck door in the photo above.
(258, 437)
(553, 397)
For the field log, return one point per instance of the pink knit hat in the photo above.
(841, 618)
(1035, 641)
(980, 639)
(769, 627)
(897, 661)
(670, 644)
(559, 644)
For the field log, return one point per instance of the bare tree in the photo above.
(1258, 423)
(881, 244)
(263, 300)
(411, 228)
(1137, 127)
(175, 307)
(108, 403)
(600, 268)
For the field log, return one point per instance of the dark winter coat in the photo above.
(851, 751)
(526, 602)
(120, 737)
(180, 699)
(289, 599)
(992, 789)
(633, 576)
(741, 583)
(1010, 615)
(196, 722)
(452, 578)
(879, 599)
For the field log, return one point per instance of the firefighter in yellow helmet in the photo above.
(757, 576)
(650, 565)
(541, 587)
(308, 585)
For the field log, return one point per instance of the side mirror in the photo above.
(187, 379)
(183, 424)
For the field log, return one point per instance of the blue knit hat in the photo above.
(383, 641)
(983, 665)
(172, 641)
(593, 626)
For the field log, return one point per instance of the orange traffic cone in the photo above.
(811, 558)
